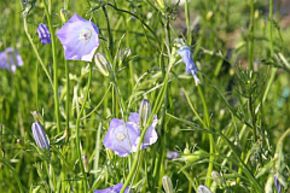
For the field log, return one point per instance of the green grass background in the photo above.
(241, 107)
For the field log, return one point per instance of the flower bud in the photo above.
(37, 116)
(277, 184)
(216, 177)
(167, 184)
(144, 112)
(85, 163)
(203, 189)
(43, 34)
(39, 135)
(161, 4)
(195, 156)
(102, 64)
(172, 155)
(124, 54)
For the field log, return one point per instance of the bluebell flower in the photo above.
(10, 59)
(39, 135)
(114, 189)
(79, 38)
(191, 68)
(43, 34)
(123, 137)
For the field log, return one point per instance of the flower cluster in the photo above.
(80, 40)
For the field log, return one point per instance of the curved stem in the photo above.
(36, 51)
(111, 41)
(54, 59)
(78, 143)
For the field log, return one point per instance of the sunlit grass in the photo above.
(231, 131)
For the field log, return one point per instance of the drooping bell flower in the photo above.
(43, 34)
(114, 189)
(191, 68)
(40, 136)
(10, 59)
(123, 137)
(79, 38)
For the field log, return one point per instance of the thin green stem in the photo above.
(270, 27)
(187, 17)
(35, 50)
(211, 139)
(135, 163)
(111, 40)
(78, 144)
(155, 109)
(54, 61)
(251, 36)
(138, 18)
(67, 101)
(36, 85)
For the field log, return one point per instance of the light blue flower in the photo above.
(191, 68)
(79, 38)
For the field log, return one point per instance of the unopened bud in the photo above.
(195, 156)
(144, 112)
(277, 184)
(62, 14)
(172, 155)
(39, 135)
(161, 4)
(167, 184)
(85, 163)
(37, 116)
(216, 177)
(102, 64)
(203, 189)
(124, 53)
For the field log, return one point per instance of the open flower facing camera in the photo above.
(123, 137)
(79, 38)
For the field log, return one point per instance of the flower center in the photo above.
(120, 136)
(86, 34)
